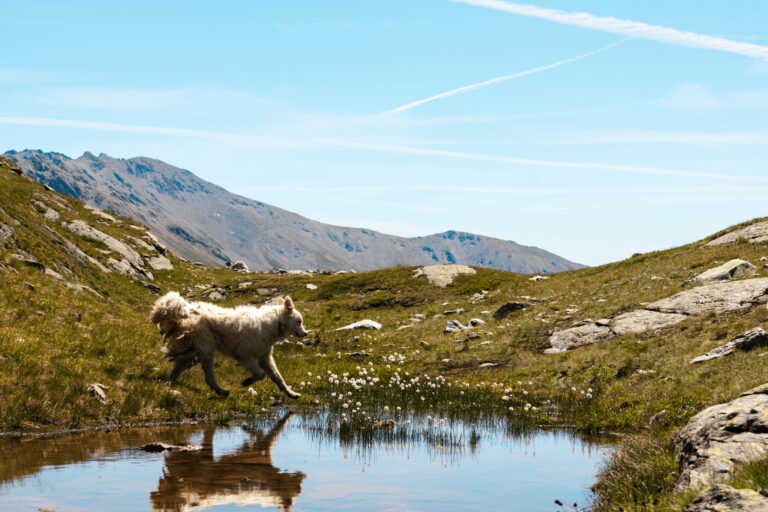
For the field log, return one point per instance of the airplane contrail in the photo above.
(631, 28)
(492, 81)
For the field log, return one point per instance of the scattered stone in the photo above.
(238, 266)
(99, 391)
(730, 270)
(6, 232)
(656, 278)
(755, 233)
(453, 311)
(577, 337)
(30, 261)
(52, 273)
(414, 320)
(488, 365)
(486, 342)
(80, 287)
(423, 343)
(49, 213)
(162, 447)
(362, 324)
(82, 257)
(505, 310)
(469, 338)
(100, 213)
(477, 297)
(756, 337)
(539, 278)
(15, 170)
(474, 322)
(724, 498)
(151, 287)
(720, 438)
(357, 354)
(244, 284)
(160, 263)
(123, 267)
(442, 275)
(454, 326)
(311, 286)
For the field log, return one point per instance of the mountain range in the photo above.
(203, 222)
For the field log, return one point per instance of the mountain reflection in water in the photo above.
(198, 480)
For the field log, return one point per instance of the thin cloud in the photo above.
(389, 148)
(497, 80)
(595, 166)
(629, 28)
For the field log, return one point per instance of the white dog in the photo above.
(194, 331)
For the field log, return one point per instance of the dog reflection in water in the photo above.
(197, 480)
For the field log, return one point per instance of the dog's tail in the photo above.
(169, 313)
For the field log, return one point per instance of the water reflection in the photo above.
(308, 461)
(198, 480)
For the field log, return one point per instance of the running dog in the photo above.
(194, 331)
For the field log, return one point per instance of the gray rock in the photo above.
(755, 233)
(474, 322)
(539, 278)
(362, 324)
(722, 437)
(723, 498)
(83, 229)
(729, 270)
(756, 337)
(98, 391)
(239, 266)
(7, 233)
(453, 311)
(454, 326)
(643, 320)
(160, 263)
(83, 257)
(49, 213)
(505, 310)
(442, 275)
(311, 286)
(577, 337)
(122, 267)
(715, 298)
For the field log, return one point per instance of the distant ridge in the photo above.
(204, 222)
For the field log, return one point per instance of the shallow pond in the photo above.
(302, 462)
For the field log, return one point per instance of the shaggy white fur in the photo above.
(194, 331)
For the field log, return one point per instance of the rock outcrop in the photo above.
(729, 270)
(442, 275)
(712, 298)
(756, 337)
(720, 438)
(754, 233)
(723, 498)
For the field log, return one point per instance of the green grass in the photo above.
(55, 341)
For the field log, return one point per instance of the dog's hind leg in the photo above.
(182, 363)
(207, 363)
(252, 365)
(269, 366)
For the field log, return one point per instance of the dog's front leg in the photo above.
(269, 366)
(252, 365)
(210, 379)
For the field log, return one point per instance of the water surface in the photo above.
(301, 462)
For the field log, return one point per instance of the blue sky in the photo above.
(630, 127)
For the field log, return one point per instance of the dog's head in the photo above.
(291, 321)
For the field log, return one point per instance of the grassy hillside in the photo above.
(64, 330)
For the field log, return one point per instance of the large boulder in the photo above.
(723, 498)
(714, 298)
(81, 228)
(756, 337)
(729, 270)
(643, 320)
(722, 437)
(755, 233)
(578, 336)
(442, 275)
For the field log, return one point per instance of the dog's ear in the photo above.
(288, 303)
